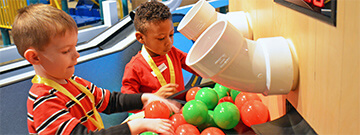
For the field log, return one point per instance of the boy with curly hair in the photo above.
(157, 68)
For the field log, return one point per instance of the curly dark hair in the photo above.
(150, 12)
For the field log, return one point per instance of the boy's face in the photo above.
(59, 57)
(159, 37)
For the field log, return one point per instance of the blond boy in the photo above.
(59, 102)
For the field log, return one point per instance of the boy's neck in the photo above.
(44, 75)
(59, 81)
(151, 53)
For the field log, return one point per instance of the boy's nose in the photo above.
(170, 40)
(76, 54)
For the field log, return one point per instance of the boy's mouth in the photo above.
(73, 65)
(168, 49)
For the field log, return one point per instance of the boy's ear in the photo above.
(139, 37)
(31, 55)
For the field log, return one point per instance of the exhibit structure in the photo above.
(222, 53)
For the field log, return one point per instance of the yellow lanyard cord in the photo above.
(156, 70)
(98, 121)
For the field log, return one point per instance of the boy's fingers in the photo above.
(168, 123)
(169, 93)
(173, 85)
(174, 105)
(166, 127)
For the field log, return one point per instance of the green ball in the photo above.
(234, 93)
(221, 90)
(208, 96)
(226, 115)
(149, 133)
(210, 122)
(195, 112)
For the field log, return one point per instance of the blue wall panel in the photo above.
(13, 118)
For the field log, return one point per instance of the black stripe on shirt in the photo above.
(51, 119)
(62, 127)
(32, 96)
(92, 88)
(30, 117)
(83, 119)
(78, 97)
(102, 99)
(89, 113)
(43, 99)
(52, 91)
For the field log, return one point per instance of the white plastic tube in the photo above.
(197, 19)
(241, 21)
(202, 15)
(223, 55)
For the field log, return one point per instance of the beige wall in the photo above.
(328, 95)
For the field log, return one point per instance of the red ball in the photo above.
(243, 97)
(212, 131)
(241, 128)
(177, 119)
(157, 109)
(187, 129)
(190, 95)
(254, 112)
(226, 99)
(181, 109)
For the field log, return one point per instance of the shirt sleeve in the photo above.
(131, 81)
(120, 102)
(51, 116)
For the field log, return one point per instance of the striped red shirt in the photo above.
(52, 112)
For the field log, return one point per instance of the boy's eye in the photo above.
(64, 52)
(171, 35)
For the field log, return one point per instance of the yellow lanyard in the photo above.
(156, 70)
(98, 121)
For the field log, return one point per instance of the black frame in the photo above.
(330, 20)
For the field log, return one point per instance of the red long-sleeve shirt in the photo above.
(139, 79)
(52, 112)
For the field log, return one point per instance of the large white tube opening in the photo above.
(191, 14)
(203, 47)
(197, 19)
(207, 42)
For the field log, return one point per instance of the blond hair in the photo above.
(37, 24)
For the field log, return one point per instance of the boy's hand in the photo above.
(160, 126)
(167, 90)
(173, 105)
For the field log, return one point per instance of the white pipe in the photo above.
(222, 54)
(202, 15)
(197, 19)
